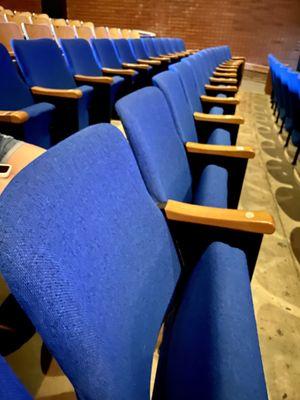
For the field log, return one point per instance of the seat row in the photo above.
(109, 254)
(28, 22)
(285, 100)
(69, 87)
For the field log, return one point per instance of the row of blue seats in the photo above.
(106, 257)
(64, 106)
(285, 100)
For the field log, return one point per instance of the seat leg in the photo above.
(275, 109)
(281, 127)
(294, 162)
(277, 118)
(288, 139)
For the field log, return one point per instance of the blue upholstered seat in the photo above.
(15, 95)
(106, 54)
(219, 365)
(42, 64)
(81, 61)
(93, 263)
(126, 55)
(160, 151)
(96, 273)
(170, 84)
(10, 387)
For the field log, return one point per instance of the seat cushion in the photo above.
(221, 95)
(212, 188)
(213, 349)
(216, 110)
(219, 136)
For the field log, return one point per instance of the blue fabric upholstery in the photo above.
(169, 83)
(15, 95)
(80, 58)
(124, 51)
(138, 48)
(212, 188)
(10, 387)
(149, 47)
(185, 73)
(219, 136)
(92, 264)
(81, 61)
(42, 64)
(156, 144)
(213, 349)
(105, 51)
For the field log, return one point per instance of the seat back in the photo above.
(85, 32)
(101, 32)
(106, 53)
(169, 83)
(42, 64)
(94, 272)
(80, 58)
(14, 92)
(124, 51)
(197, 74)
(126, 33)
(159, 46)
(186, 76)
(11, 388)
(19, 19)
(2, 18)
(41, 19)
(115, 33)
(38, 31)
(149, 47)
(8, 32)
(65, 31)
(135, 34)
(138, 48)
(74, 22)
(158, 149)
(59, 22)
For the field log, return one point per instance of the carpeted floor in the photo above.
(271, 184)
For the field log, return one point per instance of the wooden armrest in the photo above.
(219, 150)
(67, 93)
(222, 119)
(223, 80)
(160, 58)
(225, 74)
(14, 117)
(226, 69)
(119, 71)
(135, 66)
(220, 100)
(222, 88)
(238, 58)
(150, 62)
(247, 221)
(94, 79)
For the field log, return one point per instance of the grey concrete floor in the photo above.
(270, 184)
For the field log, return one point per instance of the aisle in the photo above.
(270, 184)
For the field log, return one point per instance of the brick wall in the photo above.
(251, 27)
(22, 5)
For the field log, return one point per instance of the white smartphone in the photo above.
(5, 170)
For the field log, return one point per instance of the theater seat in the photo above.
(97, 275)
(212, 302)
(174, 168)
(11, 388)
(45, 72)
(106, 54)
(19, 116)
(83, 66)
(187, 120)
(141, 55)
(128, 59)
(8, 32)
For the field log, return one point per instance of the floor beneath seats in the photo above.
(270, 184)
